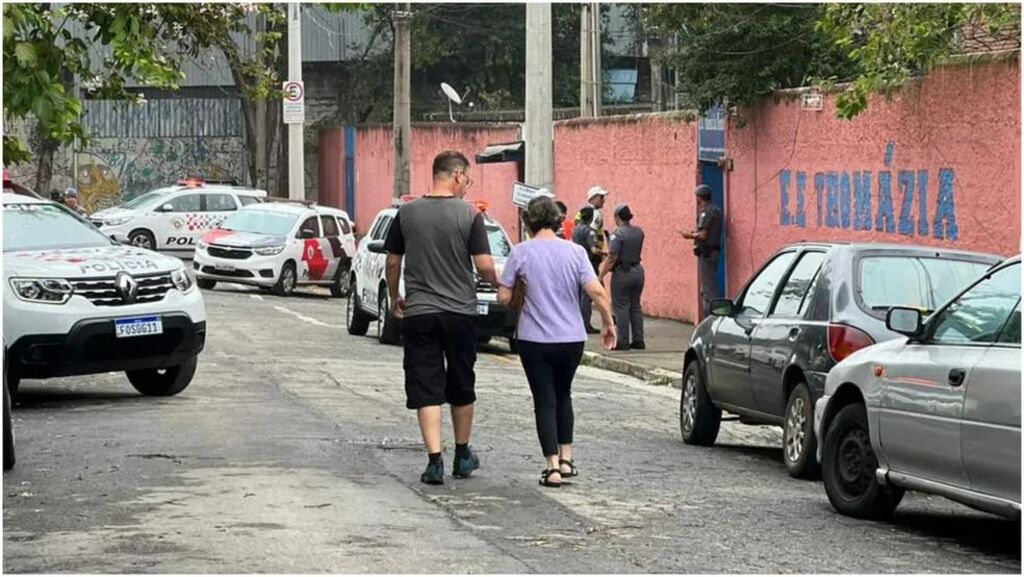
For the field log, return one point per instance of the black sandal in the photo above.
(573, 472)
(545, 475)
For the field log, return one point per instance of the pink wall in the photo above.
(651, 164)
(331, 168)
(957, 132)
(375, 168)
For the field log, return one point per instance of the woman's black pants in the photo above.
(550, 368)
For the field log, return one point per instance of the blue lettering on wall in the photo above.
(945, 213)
(922, 202)
(784, 218)
(862, 194)
(801, 188)
(884, 219)
(907, 209)
(853, 199)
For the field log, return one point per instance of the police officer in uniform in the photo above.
(584, 235)
(627, 244)
(707, 238)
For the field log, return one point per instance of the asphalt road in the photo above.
(292, 452)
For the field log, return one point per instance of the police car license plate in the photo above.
(138, 327)
(226, 267)
(483, 309)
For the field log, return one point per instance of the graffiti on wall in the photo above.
(897, 202)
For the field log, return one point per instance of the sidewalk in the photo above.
(660, 364)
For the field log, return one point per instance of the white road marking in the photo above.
(306, 319)
(256, 297)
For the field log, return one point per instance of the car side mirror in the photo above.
(307, 233)
(376, 247)
(722, 307)
(166, 208)
(905, 321)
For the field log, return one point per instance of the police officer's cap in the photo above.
(702, 191)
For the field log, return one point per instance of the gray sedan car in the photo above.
(937, 411)
(764, 356)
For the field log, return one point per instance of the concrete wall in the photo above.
(374, 166)
(937, 165)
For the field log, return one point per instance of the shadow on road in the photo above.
(761, 453)
(984, 533)
(297, 294)
(29, 399)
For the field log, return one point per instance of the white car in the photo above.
(77, 303)
(368, 300)
(175, 218)
(279, 245)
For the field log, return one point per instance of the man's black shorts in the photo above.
(431, 340)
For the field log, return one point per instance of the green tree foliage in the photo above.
(742, 52)
(893, 42)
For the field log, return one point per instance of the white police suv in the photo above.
(368, 297)
(174, 218)
(77, 303)
(279, 245)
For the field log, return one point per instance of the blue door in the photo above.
(711, 175)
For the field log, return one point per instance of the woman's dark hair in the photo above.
(542, 213)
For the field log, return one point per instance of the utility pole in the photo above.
(403, 101)
(595, 59)
(586, 67)
(296, 161)
(539, 129)
(590, 60)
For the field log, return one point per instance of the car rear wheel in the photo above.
(164, 382)
(142, 239)
(699, 419)
(206, 284)
(799, 443)
(387, 324)
(286, 282)
(356, 319)
(849, 465)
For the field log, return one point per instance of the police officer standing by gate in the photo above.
(627, 244)
(707, 238)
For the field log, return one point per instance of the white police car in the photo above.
(368, 297)
(176, 217)
(279, 245)
(77, 303)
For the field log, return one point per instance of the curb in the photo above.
(650, 375)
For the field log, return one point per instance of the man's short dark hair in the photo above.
(449, 162)
(587, 214)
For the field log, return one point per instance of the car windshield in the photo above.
(47, 227)
(145, 199)
(261, 222)
(925, 283)
(500, 245)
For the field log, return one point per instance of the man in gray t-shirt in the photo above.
(441, 238)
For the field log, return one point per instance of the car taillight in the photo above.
(844, 340)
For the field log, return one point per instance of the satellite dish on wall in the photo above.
(450, 93)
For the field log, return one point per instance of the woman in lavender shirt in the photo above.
(551, 335)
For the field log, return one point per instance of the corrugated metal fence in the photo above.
(167, 118)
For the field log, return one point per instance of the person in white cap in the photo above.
(71, 200)
(595, 198)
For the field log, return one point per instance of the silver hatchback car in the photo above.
(937, 412)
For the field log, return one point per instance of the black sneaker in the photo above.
(638, 345)
(466, 464)
(434, 474)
